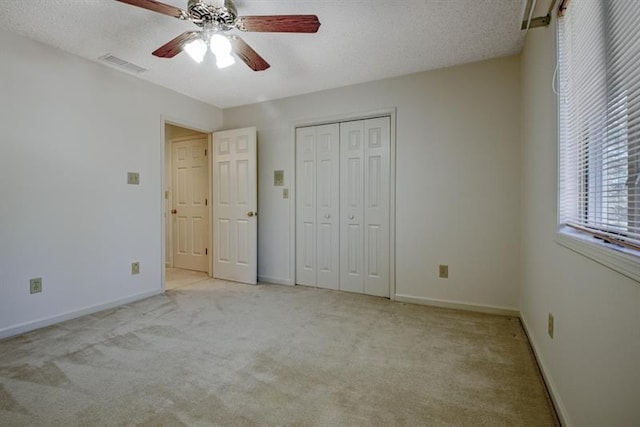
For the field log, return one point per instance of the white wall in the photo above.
(593, 362)
(71, 129)
(458, 177)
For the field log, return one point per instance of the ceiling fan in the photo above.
(215, 18)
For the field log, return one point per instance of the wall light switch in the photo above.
(278, 178)
(135, 268)
(285, 193)
(133, 178)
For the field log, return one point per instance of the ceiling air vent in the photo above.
(122, 64)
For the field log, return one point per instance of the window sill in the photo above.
(623, 260)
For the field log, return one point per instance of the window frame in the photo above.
(624, 260)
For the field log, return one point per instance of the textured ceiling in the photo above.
(359, 41)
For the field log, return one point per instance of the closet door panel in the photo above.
(377, 140)
(306, 229)
(352, 206)
(328, 202)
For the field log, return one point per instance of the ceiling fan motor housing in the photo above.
(220, 14)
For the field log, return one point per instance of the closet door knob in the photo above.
(327, 216)
(352, 216)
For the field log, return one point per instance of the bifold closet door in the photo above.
(317, 206)
(364, 206)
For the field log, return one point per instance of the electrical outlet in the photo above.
(550, 326)
(35, 285)
(133, 178)
(443, 271)
(135, 268)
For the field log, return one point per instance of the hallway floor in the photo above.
(177, 278)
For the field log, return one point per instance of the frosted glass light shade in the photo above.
(196, 50)
(221, 47)
(219, 44)
(223, 61)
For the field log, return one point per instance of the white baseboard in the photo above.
(275, 280)
(557, 402)
(458, 305)
(48, 321)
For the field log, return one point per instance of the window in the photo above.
(599, 122)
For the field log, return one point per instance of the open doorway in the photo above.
(187, 206)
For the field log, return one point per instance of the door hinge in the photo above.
(205, 152)
(206, 251)
(206, 202)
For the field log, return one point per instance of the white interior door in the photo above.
(317, 206)
(235, 205)
(343, 206)
(364, 206)
(189, 210)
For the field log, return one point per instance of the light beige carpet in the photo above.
(218, 353)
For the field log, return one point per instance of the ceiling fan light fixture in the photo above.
(221, 47)
(220, 44)
(196, 50)
(223, 61)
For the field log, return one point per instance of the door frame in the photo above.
(171, 201)
(166, 145)
(386, 112)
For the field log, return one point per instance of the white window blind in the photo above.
(599, 118)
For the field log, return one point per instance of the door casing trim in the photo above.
(170, 120)
(209, 193)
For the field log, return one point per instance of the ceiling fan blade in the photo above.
(247, 54)
(159, 7)
(175, 46)
(279, 23)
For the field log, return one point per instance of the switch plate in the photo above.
(133, 178)
(135, 268)
(285, 193)
(443, 271)
(550, 326)
(35, 285)
(278, 178)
